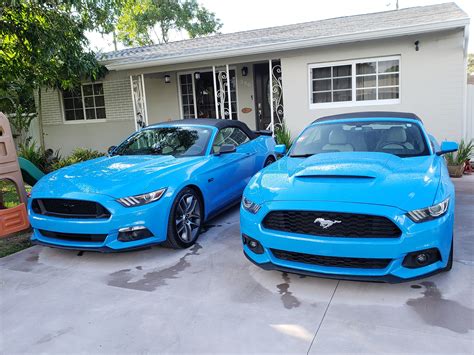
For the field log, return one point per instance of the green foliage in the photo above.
(44, 160)
(466, 149)
(77, 156)
(145, 22)
(283, 136)
(44, 45)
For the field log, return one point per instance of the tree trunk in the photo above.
(40, 121)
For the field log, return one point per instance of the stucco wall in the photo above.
(432, 80)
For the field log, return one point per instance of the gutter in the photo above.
(115, 64)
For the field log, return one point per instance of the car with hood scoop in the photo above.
(158, 186)
(363, 196)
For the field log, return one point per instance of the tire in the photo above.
(270, 160)
(449, 265)
(184, 221)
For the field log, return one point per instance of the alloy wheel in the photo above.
(188, 217)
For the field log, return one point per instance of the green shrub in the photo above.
(283, 136)
(465, 150)
(43, 160)
(78, 155)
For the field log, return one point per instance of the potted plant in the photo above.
(457, 161)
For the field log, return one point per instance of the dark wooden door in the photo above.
(262, 105)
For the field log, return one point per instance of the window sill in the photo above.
(102, 120)
(353, 104)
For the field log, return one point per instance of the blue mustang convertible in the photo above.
(159, 185)
(363, 196)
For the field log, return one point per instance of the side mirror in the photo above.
(226, 148)
(447, 147)
(280, 149)
(111, 150)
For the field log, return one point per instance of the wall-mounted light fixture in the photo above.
(167, 79)
(245, 71)
(197, 75)
(417, 45)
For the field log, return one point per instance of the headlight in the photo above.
(429, 213)
(140, 200)
(250, 206)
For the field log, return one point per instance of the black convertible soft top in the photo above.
(368, 114)
(219, 124)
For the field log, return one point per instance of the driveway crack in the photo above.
(322, 319)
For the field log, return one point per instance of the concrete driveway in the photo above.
(210, 299)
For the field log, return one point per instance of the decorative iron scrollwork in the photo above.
(138, 96)
(277, 90)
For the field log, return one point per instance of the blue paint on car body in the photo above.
(219, 179)
(396, 179)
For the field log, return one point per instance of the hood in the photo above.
(357, 177)
(116, 176)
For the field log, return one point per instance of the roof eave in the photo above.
(114, 64)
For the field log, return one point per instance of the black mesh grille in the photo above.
(357, 263)
(63, 208)
(337, 224)
(74, 236)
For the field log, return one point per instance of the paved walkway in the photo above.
(211, 299)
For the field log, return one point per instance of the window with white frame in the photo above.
(84, 103)
(362, 81)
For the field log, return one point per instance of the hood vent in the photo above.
(323, 176)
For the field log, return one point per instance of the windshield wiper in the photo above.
(302, 155)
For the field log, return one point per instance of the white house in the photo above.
(412, 60)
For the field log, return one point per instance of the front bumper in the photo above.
(153, 216)
(415, 237)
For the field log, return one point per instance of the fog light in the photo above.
(252, 244)
(421, 258)
(131, 234)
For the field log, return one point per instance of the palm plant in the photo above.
(465, 150)
(283, 136)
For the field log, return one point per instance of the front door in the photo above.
(262, 105)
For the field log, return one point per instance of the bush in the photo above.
(466, 149)
(78, 155)
(43, 160)
(283, 136)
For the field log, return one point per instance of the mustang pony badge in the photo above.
(325, 223)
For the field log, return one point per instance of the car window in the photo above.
(229, 135)
(176, 141)
(400, 138)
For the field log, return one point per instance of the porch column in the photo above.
(276, 94)
(270, 90)
(137, 84)
(215, 90)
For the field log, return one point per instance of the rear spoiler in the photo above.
(263, 133)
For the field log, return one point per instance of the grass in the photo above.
(14, 243)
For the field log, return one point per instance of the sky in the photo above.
(241, 15)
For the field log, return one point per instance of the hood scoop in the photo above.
(335, 176)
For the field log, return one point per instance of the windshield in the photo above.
(178, 141)
(399, 138)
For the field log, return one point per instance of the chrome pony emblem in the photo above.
(325, 223)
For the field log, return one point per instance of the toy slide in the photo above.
(13, 219)
(29, 171)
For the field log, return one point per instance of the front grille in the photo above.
(348, 225)
(74, 236)
(356, 263)
(64, 208)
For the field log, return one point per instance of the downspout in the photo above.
(40, 121)
(465, 134)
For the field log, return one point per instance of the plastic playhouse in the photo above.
(12, 218)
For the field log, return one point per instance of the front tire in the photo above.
(185, 219)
